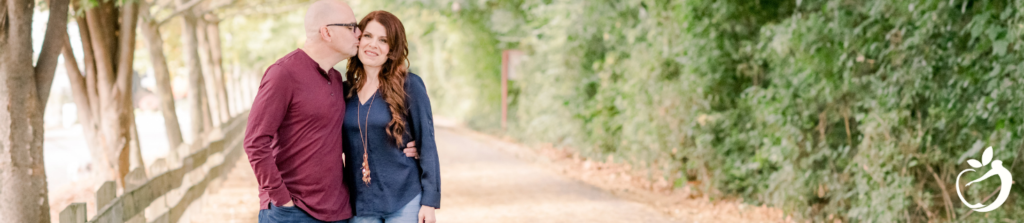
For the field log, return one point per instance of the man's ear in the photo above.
(325, 34)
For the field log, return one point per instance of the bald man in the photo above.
(293, 137)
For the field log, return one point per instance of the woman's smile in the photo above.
(371, 53)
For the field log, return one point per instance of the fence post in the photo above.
(74, 213)
(135, 178)
(105, 194)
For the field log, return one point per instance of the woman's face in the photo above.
(373, 45)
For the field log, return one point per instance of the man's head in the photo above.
(331, 24)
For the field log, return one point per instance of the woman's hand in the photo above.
(427, 214)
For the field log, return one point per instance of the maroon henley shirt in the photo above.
(293, 138)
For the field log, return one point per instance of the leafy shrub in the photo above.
(856, 110)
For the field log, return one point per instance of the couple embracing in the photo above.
(358, 150)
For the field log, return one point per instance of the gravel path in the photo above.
(480, 183)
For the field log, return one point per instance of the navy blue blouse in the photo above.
(394, 178)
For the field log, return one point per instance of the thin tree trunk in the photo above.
(191, 57)
(103, 51)
(108, 40)
(23, 188)
(103, 57)
(81, 99)
(232, 86)
(209, 81)
(207, 118)
(88, 107)
(135, 149)
(155, 42)
(123, 91)
(213, 36)
(90, 79)
(232, 78)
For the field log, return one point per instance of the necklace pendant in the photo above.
(366, 174)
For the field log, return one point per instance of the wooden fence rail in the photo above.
(175, 185)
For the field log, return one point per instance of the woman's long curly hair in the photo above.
(392, 74)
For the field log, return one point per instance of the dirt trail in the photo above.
(235, 199)
(479, 184)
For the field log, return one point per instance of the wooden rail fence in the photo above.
(174, 185)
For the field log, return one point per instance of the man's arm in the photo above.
(268, 110)
(410, 150)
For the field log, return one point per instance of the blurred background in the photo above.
(828, 110)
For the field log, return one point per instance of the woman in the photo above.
(387, 106)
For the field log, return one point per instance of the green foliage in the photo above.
(258, 41)
(861, 110)
(455, 53)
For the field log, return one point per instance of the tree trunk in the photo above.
(23, 88)
(108, 40)
(135, 149)
(209, 81)
(207, 118)
(232, 86)
(213, 40)
(125, 74)
(195, 76)
(155, 43)
(83, 88)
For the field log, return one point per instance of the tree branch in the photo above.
(945, 193)
(159, 6)
(264, 10)
(187, 6)
(214, 8)
(56, 28)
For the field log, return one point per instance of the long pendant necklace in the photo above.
(363, 137)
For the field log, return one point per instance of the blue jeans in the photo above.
(277, 214)
(407, 214)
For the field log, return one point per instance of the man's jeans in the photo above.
(410, 213)
(288, 214)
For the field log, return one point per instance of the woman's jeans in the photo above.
(407, 214)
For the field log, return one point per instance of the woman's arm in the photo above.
(422, 129)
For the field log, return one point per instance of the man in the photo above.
(293, 137)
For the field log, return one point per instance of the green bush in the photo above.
(857, 110)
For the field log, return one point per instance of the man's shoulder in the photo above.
(283, 67)
(288, 58)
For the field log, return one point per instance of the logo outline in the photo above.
(997, 169)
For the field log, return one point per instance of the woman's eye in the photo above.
(383, 40)
(366, 35)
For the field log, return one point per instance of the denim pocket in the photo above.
(289, 209)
